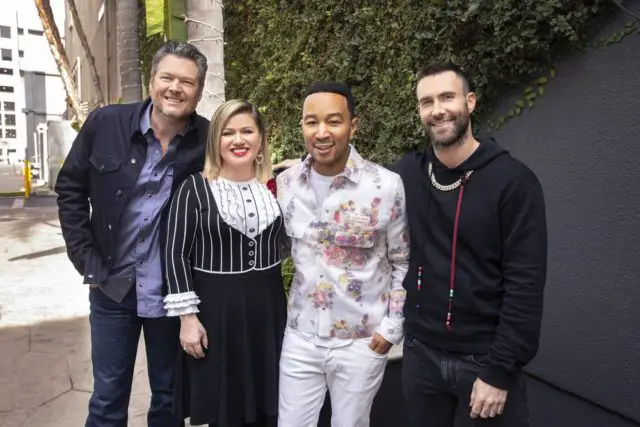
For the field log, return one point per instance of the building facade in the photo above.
(98, 18)
(31, 90)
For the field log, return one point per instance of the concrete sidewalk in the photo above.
(46, 380)
(45, 366)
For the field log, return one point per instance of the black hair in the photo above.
(334, 87)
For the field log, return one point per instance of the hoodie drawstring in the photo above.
(452, 274)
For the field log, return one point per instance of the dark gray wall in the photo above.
(552, 407)
(583, 140)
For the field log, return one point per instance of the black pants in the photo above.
(115, 332)
(437, 389)
(262, 421)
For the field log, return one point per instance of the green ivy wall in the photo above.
(276, 48)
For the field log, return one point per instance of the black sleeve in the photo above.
(403, 165)
(393, 167)
(524, 270)
(182, 222)
(285, 246)
(72, 188)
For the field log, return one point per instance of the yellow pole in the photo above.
(27, 179)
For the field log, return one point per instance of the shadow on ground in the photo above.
(40, 254)
(45, 376)
(24, 221)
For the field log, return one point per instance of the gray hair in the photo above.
(182, 50)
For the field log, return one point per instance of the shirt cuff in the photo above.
(391, 330)
(181, 304)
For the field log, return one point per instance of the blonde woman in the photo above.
(222, 263)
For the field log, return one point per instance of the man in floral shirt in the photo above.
(347, 222)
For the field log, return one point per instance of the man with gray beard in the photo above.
(113, 191)
(478, 266)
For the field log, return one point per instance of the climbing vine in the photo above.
(274, 49)
(537, 87)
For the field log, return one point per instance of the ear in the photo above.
(354, 126)
(471, 102)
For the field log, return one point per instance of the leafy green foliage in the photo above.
(149, 44)
(276, 48)
(166, 17)
(288, 271)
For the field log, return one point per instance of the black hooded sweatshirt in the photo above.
(487, 299)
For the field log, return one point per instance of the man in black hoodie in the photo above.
(478, 266)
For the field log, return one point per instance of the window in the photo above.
(35, 32)
(6, 54)
(10, 119)
(10, 133)
(21, 53)
(7, 71)
(21, 31)
(5, 32)
(0, 137)
(9, 106)
(8, 89)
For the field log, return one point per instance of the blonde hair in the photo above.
(222, 115)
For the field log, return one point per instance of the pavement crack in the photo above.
(42, 405)
(73, 386)
(70, 376)
(45, 403)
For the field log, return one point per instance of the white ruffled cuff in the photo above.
(175, 312)
(181, 304)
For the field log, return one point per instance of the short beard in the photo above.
(174, 117)
(457, 137)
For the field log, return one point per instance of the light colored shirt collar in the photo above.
(352, 170)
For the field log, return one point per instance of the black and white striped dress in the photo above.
(223, 254)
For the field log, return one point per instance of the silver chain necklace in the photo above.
(449, 187)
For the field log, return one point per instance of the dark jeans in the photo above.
(115, 332)
(437, 389)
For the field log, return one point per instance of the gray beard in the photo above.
(178, 117)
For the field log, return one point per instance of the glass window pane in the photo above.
(6, 54)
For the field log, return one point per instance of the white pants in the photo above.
(353, 374)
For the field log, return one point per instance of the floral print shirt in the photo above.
(351, 253)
